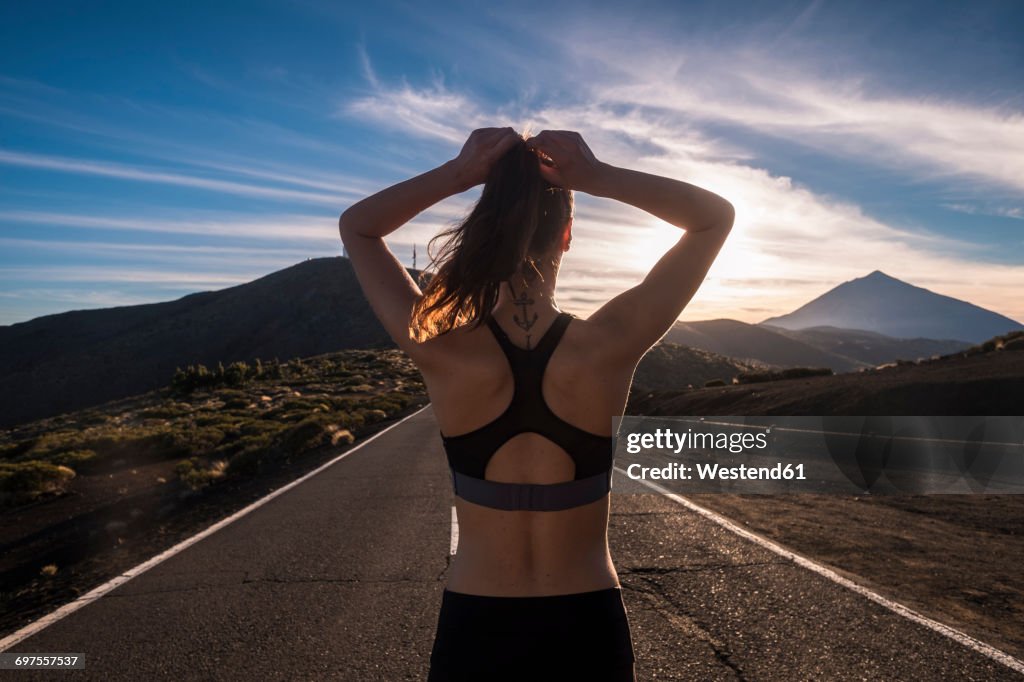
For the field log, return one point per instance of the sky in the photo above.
(151, 150)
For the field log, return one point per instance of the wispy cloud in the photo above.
(434, 112)
(281, 228)
(267, 258)
(931, 137)
(175, 278)
(998, 211)
(128, 172)
(78, 297)
(65, 110)
(313, 232)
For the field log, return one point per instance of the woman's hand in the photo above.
(566, 160)
(481, 150)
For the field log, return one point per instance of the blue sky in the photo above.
(149, 150)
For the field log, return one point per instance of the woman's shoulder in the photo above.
(598, 341)
(459, 342)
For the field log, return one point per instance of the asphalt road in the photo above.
(341, 578)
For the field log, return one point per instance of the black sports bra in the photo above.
(469, 453)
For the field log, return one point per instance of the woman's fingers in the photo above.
(565, 158)
(556, 144)
(542, 141)
(506, 137)
(551, 174)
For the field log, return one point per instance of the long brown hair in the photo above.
(517, 220)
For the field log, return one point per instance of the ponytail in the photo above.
(518, 219)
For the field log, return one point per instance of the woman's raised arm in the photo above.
(637, 318)
(386, 284)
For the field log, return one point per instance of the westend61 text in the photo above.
(707, 472)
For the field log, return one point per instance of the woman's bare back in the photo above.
(470, 383)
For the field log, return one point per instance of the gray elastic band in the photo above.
(531, 496)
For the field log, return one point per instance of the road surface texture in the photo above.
(341, 578)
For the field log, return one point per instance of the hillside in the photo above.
(671, 366)
(884, 304)
(754, 343)
(842, 350)
(985, 380)
(871, 348)
(58, 363)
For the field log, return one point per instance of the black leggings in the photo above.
(581, 636)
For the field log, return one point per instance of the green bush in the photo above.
(288, 417)
(191, 440)
(788, 373)
(171, 410)
(197, 474)
(255, 428)
(13, 451)
(232, 446)
(306, 435)
(237, 403)
(1015, 343)
(389, 402)
(247, 462)
(342, 437)
(350, 420)
(342, 404)
(34, 477)
(74, 458)
(800, 372)
(237, 373)
(92, 419)
(371, 416)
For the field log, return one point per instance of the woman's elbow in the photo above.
(728, 215)
(721, 220)
(345, 229)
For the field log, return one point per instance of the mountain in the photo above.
(842, 350)
(58, 363)
(870, 348)
(755, 343)
(889, 306)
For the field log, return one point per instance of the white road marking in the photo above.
(91, 596)
(455, 532)
(954, 634)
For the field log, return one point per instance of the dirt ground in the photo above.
(958, 559)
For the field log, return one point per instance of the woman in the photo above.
(524, 394)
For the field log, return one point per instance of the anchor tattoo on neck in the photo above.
(522, 300)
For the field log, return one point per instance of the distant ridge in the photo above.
(751, 342)
(884, 304)
(58, 363)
